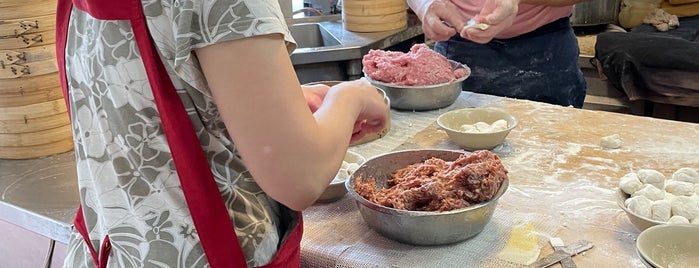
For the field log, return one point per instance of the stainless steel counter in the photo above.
(40, 195)
(353, 45)
(343, 61)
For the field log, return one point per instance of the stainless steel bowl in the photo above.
(418, 227)
(427, 97)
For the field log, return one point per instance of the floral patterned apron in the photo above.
(217, 236)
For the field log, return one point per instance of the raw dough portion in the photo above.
(640, 205)
(684, 206)
(686, 174)
(652, 177)
(679, 188)
(483, 127)
(650, 192)
(677, 220)
(630, 183)
(611, 142)
(661, 210)
(345, 171)
(661, 20)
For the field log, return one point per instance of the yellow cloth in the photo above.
(679, 2)
(684, 10)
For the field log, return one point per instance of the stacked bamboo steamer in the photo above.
(33, 115)
(374, 15)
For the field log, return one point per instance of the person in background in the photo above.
(195, 144)
(529, 51)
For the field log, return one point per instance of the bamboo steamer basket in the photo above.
(374, 16)
(16, 27)
(17, 9)
(34, 120)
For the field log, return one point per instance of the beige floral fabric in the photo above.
(129, 187)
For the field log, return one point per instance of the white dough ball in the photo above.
(652, 177)
(686, 174)
(679, 187)
(650, 192)
(611, 142)
(684, 206)
(695, 197)
(661, 210)
(469, 128)
(640, 205)
(499, 125)
(677, 220)
(694, 221)
(630, 183)
(483, 127)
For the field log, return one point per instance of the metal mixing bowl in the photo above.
(428, 97)
(418, 227)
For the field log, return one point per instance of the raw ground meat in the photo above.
(438, 185)
(420, 66)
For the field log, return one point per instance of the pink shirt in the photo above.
(529, 17)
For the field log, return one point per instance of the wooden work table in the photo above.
(562, 184)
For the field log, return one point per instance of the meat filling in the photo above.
(438, 185)
(420, 66)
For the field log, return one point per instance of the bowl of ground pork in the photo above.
(428, 197)
(420, 79)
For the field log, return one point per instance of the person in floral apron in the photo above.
(195, 144)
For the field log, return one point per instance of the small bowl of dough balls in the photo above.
(336, 189)
(650, 198)
(477, 128)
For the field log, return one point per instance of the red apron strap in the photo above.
(209, 213)
(207, 208)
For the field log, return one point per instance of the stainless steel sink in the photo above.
(326, 51)
(309, 35)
